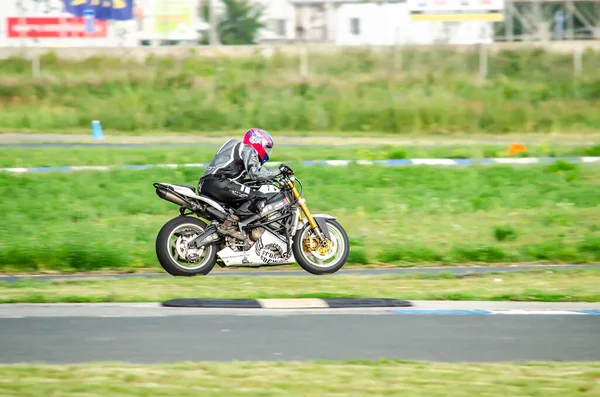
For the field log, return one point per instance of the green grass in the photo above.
(47, 157)
(526, 91)
(319, 378)
(407, 216)
(577, 285)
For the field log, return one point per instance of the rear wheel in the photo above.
(321, 259)
(173, 254)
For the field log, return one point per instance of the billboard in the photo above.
(61, 23)
(175, 19)
(456, 10)
(52, 27)
(104, 10)
(48, 23)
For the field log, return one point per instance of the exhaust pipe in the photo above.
(169, 196)
(166, 195)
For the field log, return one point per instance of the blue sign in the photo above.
(118, 10)
(88, 16)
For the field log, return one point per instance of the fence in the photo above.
(311, 59)
(436, 89)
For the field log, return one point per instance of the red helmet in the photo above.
(261, 141)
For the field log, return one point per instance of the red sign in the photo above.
(52, 27)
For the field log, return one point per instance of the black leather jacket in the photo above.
(238, 162)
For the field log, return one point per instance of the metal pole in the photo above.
(214, 38)
(483, 61)
(304, 61)
(570, 20)
(36, 64)
(329, 26)
(597, 18)
(577, 60)
(397, 55)
(509, 21)
(537, 11)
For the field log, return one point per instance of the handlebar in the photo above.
(285, 170)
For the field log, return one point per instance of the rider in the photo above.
(237, 161)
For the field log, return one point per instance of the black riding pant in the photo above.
(229, 192)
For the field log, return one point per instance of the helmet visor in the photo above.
(268, 151)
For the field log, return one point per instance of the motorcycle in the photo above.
(283, 233)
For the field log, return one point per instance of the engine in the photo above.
(256, 234)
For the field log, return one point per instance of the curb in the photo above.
(305, 303)
(327, 163)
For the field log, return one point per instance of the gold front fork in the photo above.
(303, 206)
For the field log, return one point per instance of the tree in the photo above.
(240, 23)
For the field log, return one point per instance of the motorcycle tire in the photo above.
(165, 258)
(300, 257)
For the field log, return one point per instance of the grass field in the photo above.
(46, 157)
(404, 216)
(525, 91)
(323, 378)
(576, 285)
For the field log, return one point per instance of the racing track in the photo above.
(147, 333)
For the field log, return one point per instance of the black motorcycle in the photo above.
(285, 232)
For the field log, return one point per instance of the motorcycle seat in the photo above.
(193, 188)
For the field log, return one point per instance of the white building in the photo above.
(374, 22)
(279, 19)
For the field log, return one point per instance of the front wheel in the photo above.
(321, 259)
(174, 255)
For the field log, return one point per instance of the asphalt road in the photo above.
(370, 272)
(150, 337)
